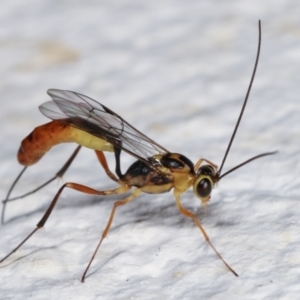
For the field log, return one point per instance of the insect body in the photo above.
(77, 118)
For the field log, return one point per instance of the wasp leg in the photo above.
(82, 188)
(201, 160)
(135, 194)
(59, 174)
(189, 214)
(118, 165)
(8, 194)
(103, 162)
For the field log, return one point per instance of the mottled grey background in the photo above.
(178, 71)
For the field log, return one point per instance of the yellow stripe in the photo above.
(89, 141)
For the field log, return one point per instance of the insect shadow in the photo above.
(27, 255)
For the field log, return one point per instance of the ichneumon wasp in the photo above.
(82, 120)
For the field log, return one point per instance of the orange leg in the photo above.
(59, 174)
(135, 193)
(103, 162)
(189, 214)
(84, 189)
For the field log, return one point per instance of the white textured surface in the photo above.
(178, 71)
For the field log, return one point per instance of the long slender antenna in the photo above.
(245, 101)
(246, 162)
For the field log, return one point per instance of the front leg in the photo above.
(189, 214)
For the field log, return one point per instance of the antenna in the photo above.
(245, 102)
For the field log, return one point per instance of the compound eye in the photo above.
(204, 188)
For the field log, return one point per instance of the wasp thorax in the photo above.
(204, 183)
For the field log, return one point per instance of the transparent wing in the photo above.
(90, 116)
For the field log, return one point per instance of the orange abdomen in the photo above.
(44, 137)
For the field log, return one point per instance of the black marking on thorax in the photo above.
(177, 162)
(138, 168)
(140, 174)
